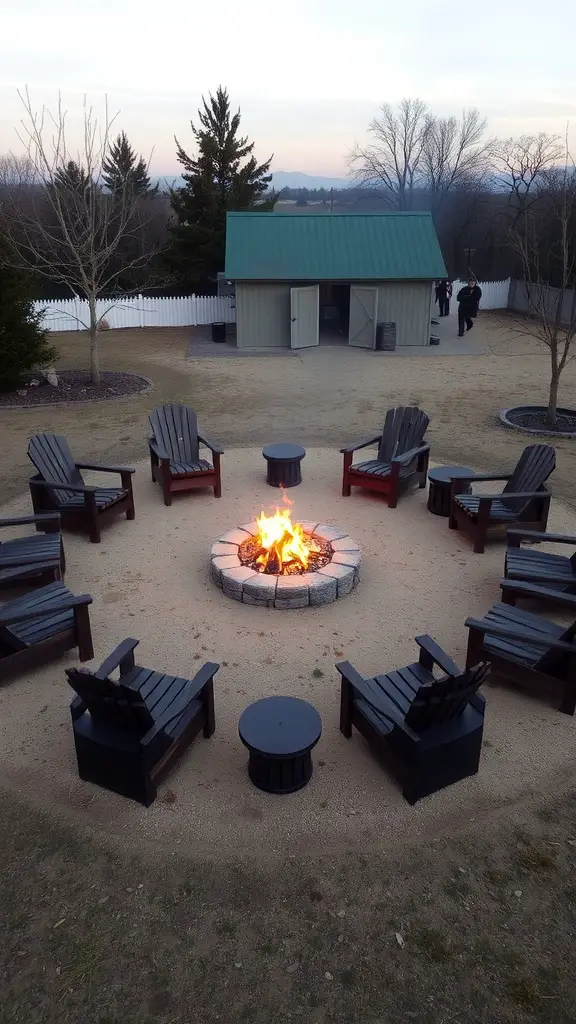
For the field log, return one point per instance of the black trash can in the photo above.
(385, 337)
(219, 331)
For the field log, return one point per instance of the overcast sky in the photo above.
(308, 76)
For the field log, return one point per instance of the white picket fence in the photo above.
(137, 311)
(494, 293)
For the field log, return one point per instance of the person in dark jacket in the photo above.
(443, 296)
(468, 301)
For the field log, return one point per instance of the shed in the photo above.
(305, 278)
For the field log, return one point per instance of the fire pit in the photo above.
(276, 563)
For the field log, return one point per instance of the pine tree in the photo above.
(223, 176)
(124, 171)
(72, 178)
(23, 343)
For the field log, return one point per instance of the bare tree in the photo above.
(454, 153)
(69, 229)
(391, 160)
(521, 165)
(544, 240)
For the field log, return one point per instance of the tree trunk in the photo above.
(553, 398)
(94, 361)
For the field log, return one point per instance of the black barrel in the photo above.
(219, 331)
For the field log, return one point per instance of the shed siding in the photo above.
(263, 315)
(409, 305)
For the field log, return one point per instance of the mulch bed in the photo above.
(537, 421)
(73, 386)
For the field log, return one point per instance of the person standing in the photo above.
(443, 295)
(468, 301)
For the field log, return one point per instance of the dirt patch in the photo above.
(74, 386)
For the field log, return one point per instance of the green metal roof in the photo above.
(332, 247)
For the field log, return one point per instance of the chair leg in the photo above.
(346, 488)
(479, 541)
(94, 532)
(83, 632)
(218, 484)
(346, 709)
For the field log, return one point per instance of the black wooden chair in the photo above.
(175, 461)
(524, 498)
(402, 456)
(531, 651)
(35, 559)
(129, 733)
(41, 625)
(427, 730)
(541, 568)
(59, 485)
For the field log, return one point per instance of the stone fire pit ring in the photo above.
(322, 586)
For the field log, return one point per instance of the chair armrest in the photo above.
(57, 485)
(358, 683)
(215, 448)
(7, 617)
(537, 639)
(438, 656)
(119, 655)
(481, 476)
(516, 536)
(158, 449)
(23, 560)
(185, 697)
(105, 469)
(361, 444)
(77, 708)
(48, 517)
(407, 457)
(526, 589)
(519, 494)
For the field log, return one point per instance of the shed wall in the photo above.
(409, 305)
(263, 315)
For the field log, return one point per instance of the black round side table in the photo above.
(279, 733)
(283, 461)
(440, 480)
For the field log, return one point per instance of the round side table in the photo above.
(283, 464)
(439, 494)
(279, 733)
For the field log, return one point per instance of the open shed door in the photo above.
(305, 316)
(363, 313)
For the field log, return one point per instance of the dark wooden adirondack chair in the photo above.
(402, 455)
(41, 625)
(531, 651)
(175, 461)
(129, 733)
(524, 499)
(427, 730)
(538, 567)
(59, 486)
(35, 559)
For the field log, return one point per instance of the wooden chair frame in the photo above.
(31, 568)
(78, 635)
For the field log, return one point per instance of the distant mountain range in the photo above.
(280, 180)
(296, 179)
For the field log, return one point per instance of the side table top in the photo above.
(444, 474)
(283, 451)
(280, 726)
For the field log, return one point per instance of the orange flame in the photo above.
(282, 541)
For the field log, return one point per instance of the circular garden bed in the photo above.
(531, 419)
(73, 386)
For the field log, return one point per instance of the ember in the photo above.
(282, 548)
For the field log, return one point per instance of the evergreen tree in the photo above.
(122, 170)
(223, 176)
(72, 179)
(23, 343)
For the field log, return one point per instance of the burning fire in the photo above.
(282, 541)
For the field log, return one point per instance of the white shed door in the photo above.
(304, 315)
(363, 313)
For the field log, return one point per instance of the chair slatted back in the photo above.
(53, 459)
(556, 663)
(110, 701)
(443, 700)
(534, 467)
(175, 427)
(404, 429)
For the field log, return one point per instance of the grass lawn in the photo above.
(474, 926)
